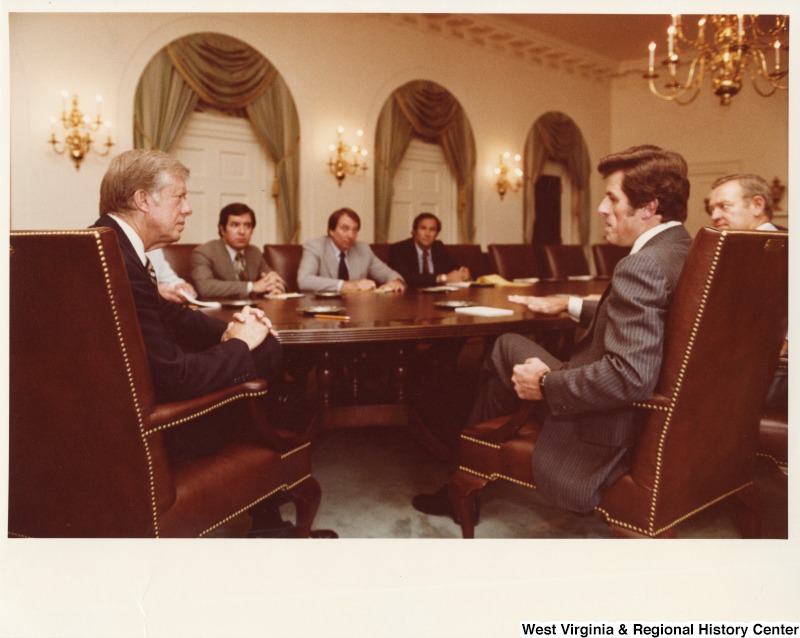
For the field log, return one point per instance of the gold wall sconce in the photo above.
(78, 129)
(731, 47)
(509, 178)
(347, 159)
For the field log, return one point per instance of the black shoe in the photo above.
(438, 504)
(322, 533)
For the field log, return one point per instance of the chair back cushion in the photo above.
(606, 257)
(381, 251)
(179, 257)
(513, 261)
(565, 260)
(79, 387)
(471, 256)
(723, 334)
(284, 259)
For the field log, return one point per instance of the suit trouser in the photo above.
(496, 394)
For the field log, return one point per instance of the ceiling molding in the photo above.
(523, 43)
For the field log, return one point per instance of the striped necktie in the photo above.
(151, 272)
(240, 266)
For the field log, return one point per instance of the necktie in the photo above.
(425, 267)
(344, 274)
(151, 271)
(239, 266)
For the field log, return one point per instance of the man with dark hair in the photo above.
(741, 202)
(340, 263)
(585, 404)
(230, 266)
(422, 259)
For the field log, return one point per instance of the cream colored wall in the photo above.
(340, 69)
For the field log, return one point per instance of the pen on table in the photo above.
(339, 317)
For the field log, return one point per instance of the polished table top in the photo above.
(412, 314)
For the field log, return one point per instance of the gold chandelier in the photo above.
(731, 46)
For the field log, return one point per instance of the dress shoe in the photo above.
(438, 504)
(322, 533)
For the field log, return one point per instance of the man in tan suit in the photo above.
(230, 266)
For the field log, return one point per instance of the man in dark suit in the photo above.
(585, 404)
(341, 263)
(231, 266)
(422, 259)
(143, 198)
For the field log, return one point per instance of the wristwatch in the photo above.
(541, 382)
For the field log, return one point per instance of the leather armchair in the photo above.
(606, 257)
(179, 257)
(700, 431)
(471, 256)
(565, 260)
(90, 453)
(284, 259)
(513, 261)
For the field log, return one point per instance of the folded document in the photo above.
(485, 311)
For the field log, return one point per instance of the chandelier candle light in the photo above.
(347, 160)
(505, 182)
(730, 46)
(79, 128)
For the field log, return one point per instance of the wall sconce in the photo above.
(347, 160)
(78, 131)
(506, 182)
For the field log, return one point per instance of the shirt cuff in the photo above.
(249, 287)
(574, 307)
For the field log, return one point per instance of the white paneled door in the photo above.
(227, 165)
(423, 183)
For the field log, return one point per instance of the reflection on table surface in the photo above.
(410, 315)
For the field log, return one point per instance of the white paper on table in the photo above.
(485, 311)
(202, 304)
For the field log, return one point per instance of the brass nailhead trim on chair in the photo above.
(207, 410)
(280, 488)
(494, 476)
(676, 392)
(296, 450)
(494, 446)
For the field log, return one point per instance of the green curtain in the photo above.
(226, 74)
(554, 136)
(427, 110)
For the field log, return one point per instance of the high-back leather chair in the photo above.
(565, 260)
(89, 449)
(513, 261)
(381, 251)
(471, 256)
(700, 430)
(606, 257)
(179, 257)
(285, 260)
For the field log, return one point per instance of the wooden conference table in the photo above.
(391, 324)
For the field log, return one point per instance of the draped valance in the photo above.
(226, 74)
(554, 136)
(426, 110)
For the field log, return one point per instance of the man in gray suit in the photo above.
(340, 263)
(584, 404)
(230, 266)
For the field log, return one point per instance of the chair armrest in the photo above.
(656, 402)
(497, 431)
(167, 415)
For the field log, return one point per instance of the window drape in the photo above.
(226, 74)
(429, 111)
(554, 136)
